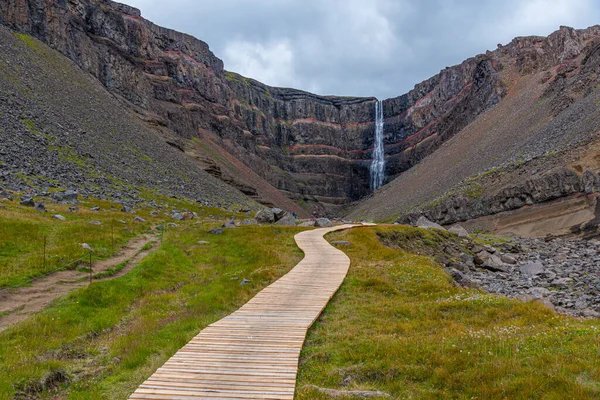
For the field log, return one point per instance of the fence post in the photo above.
(44, 253)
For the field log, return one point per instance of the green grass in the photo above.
(23, 231)
(109, 337)
(399, 325)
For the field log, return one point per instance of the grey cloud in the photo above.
(376, 48)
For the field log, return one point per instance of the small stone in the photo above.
(508, 259)
(539, 292)
(127, 209)
(216, 231)
(202, 242)
(177, 216)
(95, 208)
(40, 207)
(187, 216)
(249, 221)
(531, 269)
(172, 225)
(139, 219)
(27, 201)
(59, 217)
(73, 209)
(339, 243)
(98, 223)
(244, 282)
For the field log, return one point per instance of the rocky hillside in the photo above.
(314, 149)
(60, 128)
(309, 153)
(538, 144)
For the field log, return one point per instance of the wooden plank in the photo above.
(253, 353)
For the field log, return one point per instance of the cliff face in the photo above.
(315, 149)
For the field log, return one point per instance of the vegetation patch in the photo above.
(399, 325)
(107, 338)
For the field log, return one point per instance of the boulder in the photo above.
(459, 230)
(177, 216)
(427, 224)
(323, 223)
(68, 196)
(490, 262)
(287, 220)
(27, 201)
(278, 213)
(265, 216)
(532, 268)
(508, 259)
(307, 223)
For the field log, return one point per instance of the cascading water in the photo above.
(378, 163)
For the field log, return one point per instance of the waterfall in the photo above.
(378, 163)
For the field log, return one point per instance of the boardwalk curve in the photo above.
(253, 353)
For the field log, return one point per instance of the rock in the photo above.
(59, 217)
(188, 216)
(360, 394)
(177, 216)
(73, 209)
(154, 213)
(27, 201)
(249, 221)
(139, 220)
(339, 243)
(127, 209)
(539, 292)
(590, 313)
(307, 223)
(287, 220)
(40, 207)
(5, 195)
(202, 242)
(97, 223)
(68, 196)
(95, 208)
(245, 282)
(532, 268)
(172, 225)
(423, 222)
(216, 231)
(508, 259)
(490, 262)
(461, 279)
(278, 213)
(459, 230)
(323, 223)
(265, 216)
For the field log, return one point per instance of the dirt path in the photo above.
(253, 353)
(20, 303)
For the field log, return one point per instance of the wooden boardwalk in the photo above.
(253, 353)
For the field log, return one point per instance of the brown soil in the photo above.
(20, 303)
(558, 217)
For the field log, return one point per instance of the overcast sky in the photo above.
(376, 48)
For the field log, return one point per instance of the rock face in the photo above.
(313, 148)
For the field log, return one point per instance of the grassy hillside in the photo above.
(102, 341)
(400, 326)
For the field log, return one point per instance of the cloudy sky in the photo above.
(376, 48)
